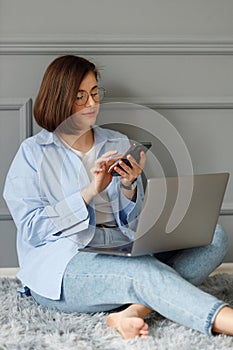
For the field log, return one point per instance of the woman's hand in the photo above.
(101, 176)
(130, 174)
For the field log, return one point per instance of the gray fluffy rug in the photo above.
(27, 326)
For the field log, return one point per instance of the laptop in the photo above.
(178, 213)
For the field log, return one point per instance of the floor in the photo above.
(224, 268)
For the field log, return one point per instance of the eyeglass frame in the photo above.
(92, 95)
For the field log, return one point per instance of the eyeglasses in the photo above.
(97, 94)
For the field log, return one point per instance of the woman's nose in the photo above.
(90, 102)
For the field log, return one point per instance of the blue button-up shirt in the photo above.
(43, 193)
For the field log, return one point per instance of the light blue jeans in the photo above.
(165, 283)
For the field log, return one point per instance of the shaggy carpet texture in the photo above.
(26, 326)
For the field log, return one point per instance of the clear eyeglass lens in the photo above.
(97, 94)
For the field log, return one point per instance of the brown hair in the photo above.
(58, 91)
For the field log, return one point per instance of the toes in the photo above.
(129, 327)
(145, 327)
(144, 331)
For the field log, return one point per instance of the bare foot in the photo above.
(128, 326)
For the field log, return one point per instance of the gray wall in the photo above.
(174, 56)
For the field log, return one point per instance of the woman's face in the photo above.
(85, 115)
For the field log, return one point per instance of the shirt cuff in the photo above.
(69, 212)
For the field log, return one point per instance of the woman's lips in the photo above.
(89, 113)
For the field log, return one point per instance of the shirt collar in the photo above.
(102, 136)
(45, 137)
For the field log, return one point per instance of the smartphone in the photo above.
(134, 151)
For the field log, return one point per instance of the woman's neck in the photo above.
(82, 142)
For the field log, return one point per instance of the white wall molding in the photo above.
(178, 102)
(5, 215)
(24, 108)
(226, 212)
(227, 209)
(111, 45)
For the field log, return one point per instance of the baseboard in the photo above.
(9, 272)
(224, 268)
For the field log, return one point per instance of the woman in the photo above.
(63, 197)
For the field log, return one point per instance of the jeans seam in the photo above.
(72, 275)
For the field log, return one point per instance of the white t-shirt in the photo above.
(103, 207)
